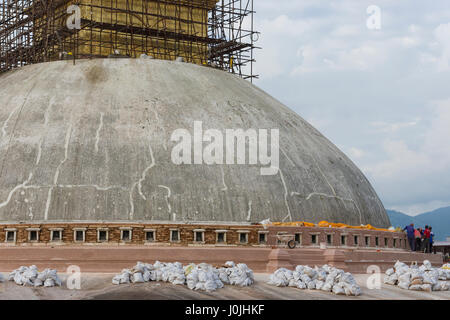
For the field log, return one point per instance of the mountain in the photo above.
(439, 219)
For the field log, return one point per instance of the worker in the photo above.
(410, 233)
(418, 237)
(431, 239)
(426, 240)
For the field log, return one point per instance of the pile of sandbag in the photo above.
(419, 278)
(326, 278)
(233, 274)
(30, 276)
(144, 272)
(201, 276)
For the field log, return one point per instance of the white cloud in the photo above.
(356, 153)
(442, 34)
(367, 90)
(407, 174)
(390, 127)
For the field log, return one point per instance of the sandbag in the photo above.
(137, 277)
(420, 278)
(325, 278)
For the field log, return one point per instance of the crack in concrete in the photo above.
(249, 212)
(56, 176)
(169, 193)
(139, 184)
(97, 134)
(5, 124)
(289, 159)
(163, 129)
(11, 193)
(309, 196)
(46, 121)
(144, 174)
(225, 187)
(286, 194)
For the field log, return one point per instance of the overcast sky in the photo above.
(381, 95)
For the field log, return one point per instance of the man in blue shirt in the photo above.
(410, 233)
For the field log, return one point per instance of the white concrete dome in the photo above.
(91, 142)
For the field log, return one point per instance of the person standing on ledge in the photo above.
(418, 237)
(431, 240)
(426, 240)
(410, 232)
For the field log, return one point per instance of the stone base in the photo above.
(262, 260)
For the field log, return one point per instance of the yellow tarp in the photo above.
(326, 224)
(294, 224)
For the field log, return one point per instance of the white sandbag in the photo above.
(390, 271)
(179, 280)
(404, 285)
(430, 279)
(305, 278)
(292, 283)
(427, 265)
(301, 285)
(139, 267)
(405, 277)
(191, 284)
(321, 275)
(275, 280)
(310, 272)
(426, 287)
(200, 286)
(147, 275)
(49, 282)
(115, 280)
(441, 286)
(392, 279)
(18, 278)
(416, 287)
(319, 284)
(299, 269)
(399, 265)
(223, 276)
(210, 285)
(38, 283)
(416, 274)
(219, 284)
(338, 289)
(137, 278)
(311, 285)
(352, 289)
(11, 276)
(328, 286)
(347, 278)
(230, 264)
(124, 277)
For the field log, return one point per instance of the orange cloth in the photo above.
(326, 224)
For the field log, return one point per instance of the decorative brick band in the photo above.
(195, 235)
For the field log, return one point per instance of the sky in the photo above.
(379, 89)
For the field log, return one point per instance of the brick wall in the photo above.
(186, 234)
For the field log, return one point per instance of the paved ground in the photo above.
(98, 286)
